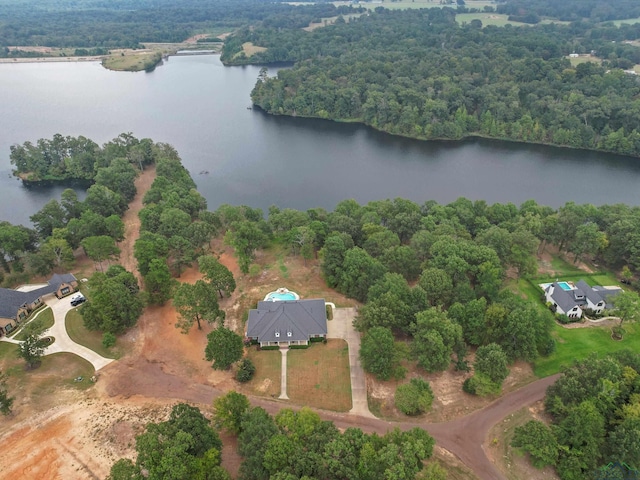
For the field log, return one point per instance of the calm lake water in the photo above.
(200, 107)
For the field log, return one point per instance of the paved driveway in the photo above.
(63, 342)
(342, 327)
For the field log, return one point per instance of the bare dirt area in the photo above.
(132, 221)
(512, 463)
(450, 401)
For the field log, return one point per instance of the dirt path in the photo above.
(132, 221)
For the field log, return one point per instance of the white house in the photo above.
(573, 300)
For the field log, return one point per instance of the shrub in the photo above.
(414, 398)
(246, 370)
(480, 385)
(298, 347)
(108, 339)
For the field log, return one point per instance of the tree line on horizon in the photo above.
(420, 74)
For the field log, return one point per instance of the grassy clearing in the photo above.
(617, 23)
(249, 49)
(407, 4)
(266, 381)
(319, 376)
(584, 59)
(574, 344)
(132, 62)
(45, 316)
(64, 368)
(8, 350)
(90, 339)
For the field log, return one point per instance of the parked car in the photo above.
(78, 299)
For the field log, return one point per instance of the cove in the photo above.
(201, 108)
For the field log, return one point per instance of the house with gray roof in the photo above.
(16, 305)
(287, 322)
(572, 300)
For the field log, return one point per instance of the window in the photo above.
(277, 334)
(288, 334)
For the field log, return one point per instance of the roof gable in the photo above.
(299, 318)
(12, 300)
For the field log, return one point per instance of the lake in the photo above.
(201, 108)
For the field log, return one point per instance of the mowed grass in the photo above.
(90, 339)
(319, 376)
(266, 381)
(573, 344)
(578, 60)
(617, 23)
(407, 4)
(132, 62)
(45, 316)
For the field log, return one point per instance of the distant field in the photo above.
(249, 49)
(584, 59)
(628, 20)
(495, 19)
(405, 4)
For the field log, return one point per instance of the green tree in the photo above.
(535, 438)
(229, 411)
(100, 248)
(245, 237)
(6, 402)
(246, 370)
(196, 302)
(47, 218)
(435, 337)
(218, 276)
(148, 247)
(174, 449)
(359, 272)
(256, 429)
(414, 398)
(332, 254)
(114, 304)
(124, 469)
(158, 282)
(492, 362)
(627, 306)
(437, 284)
(380, 355)
(31, 350)
(224, 347)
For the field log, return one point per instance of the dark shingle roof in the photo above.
(593, 296)
(563, 298)
(12, 300)
(301, 318)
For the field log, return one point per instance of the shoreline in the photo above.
(16, 60)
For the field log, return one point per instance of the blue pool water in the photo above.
(282, 296)
(564, 285)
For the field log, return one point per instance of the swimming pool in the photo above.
(281, 295)
(565, 286)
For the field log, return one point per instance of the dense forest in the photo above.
(595, 407)
(420, 74)
(128, 23)
(572, 10)
(288, 446)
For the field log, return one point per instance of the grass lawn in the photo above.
(577, 343)
(319, 376)
(617, 23)
(45, 316)
(90, 339)
(132, 62)
(8, 350)
(578, 60)
(266, 381)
